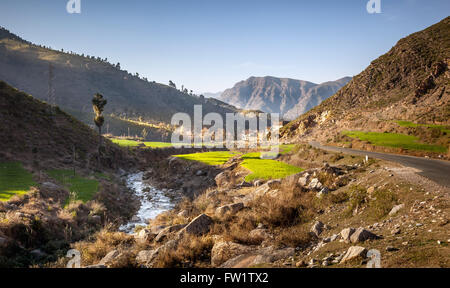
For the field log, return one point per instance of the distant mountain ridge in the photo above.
(289, 97)
(78, 77)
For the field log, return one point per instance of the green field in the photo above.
(266, 168)
(260, 168)
(395, 140)
(83, 188)
(14, 180)
(134, 143)
(209, 158)
(443, 128)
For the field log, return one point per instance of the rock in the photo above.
(361, 235)
(96, 219)
(334, 237)
(259, 234)
(201, 173)
(109, 258)
(183, 213)
(391, 249)
(303, 180)
(145, 257)
(222, 251)
(346, 233)
(96, 266)
(144, 236)
(395, 231)
(301, 264)
(354, 252)
(322, 192)
(221, 179)
(199, 226)
(50, 186)
(270, 255)
(371, 190)
(258, 183)
(315, 184)
(274, 184)
(231, 209)
(395, 209)
(166, 231)
(38, 253)
(325, 263)
(317, 228)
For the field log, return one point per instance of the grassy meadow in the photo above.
(81, 188)
(14, 180)
(395, 140)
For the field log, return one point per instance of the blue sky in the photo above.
(208, 45)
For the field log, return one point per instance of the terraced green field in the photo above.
(82, 188)
(395, 140)
(260, 168)
(266, 168)
(443, 128)
(14, 180)
(209, 158)
(133, 143)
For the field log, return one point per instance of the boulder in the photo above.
(166, 231)
(361, 235)
(354, 252)
(346, 233)
(222, 251)
(145, 257)
(315, 184)
(199, 226)
(259, 234)
(50, 186)
(144, 236)
(109, 258)
(317, 228)
(231, 209)
(221, 179)
(396, 208)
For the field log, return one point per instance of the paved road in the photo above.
(435, 170)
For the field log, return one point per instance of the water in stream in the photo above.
(153, 202)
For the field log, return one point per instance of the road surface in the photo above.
(435, 170)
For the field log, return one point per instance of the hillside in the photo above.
(43, 137)
(410, 83)
(78, 77)
(288, 97)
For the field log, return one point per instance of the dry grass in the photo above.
(191, 252)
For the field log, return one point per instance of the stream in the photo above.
(153, 201)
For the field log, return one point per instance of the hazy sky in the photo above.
(208, 45)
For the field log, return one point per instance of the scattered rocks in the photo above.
(315, 184)
(353, 253)
(395, 209)
(231, 209)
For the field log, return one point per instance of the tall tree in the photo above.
(98, 104)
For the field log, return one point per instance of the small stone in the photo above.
(317, 228)
(405, 243)
(395, 209)
(391, 249)
(395, 231)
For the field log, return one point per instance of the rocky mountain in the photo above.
(40, 135)
(411, 82)
(288, 97)
(76, 78)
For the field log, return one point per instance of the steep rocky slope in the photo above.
(411, 82)
(289, 97)
(78, 77)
